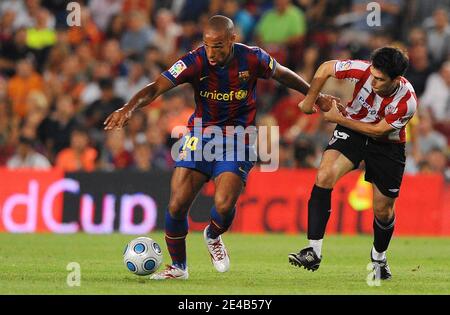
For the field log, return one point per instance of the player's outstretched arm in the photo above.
(321, 76)
(145, 96)
(292, 80)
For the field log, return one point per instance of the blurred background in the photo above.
(59, 83)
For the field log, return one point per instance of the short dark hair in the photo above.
(221, 23)
(391, 61)
(26, 140)
(105, 83)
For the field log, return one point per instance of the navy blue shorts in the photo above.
(212, 156)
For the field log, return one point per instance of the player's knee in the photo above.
(326, 178)
(383, 213)
(223, 204)
(178, 208)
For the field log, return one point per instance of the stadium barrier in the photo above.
(134, 203)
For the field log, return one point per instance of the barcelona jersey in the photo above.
(224, 95)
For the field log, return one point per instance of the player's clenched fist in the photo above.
(118, 118)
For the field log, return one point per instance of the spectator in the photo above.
(88, 31)
(27, 157)
(437, 162)
(116, 27)
(92, 91)
(420, 67)
(12, 51)
(283, 25)
(157, 138)
(20, 85)
(114, 155)
(79, 156)
(138, 36)
(27, 16)
(103, 10)
(9, 131)
(15, 6)
(6, 25)
(153, 63)
(40, 36)
(191, 10)
(241, 17)
(436, 96)
(429, 139)
(142, 156)
(167, 33)
(439, 36)
(310, 62)
(112, 54)
(126, 87)
(55, 130)
(97, 112)
(135, 131)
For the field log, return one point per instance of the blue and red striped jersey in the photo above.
(224, 95)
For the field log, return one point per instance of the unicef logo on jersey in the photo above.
(241, 94)
(228, 97)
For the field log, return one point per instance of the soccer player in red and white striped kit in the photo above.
(371, 128)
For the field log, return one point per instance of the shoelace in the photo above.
(168, 269)
(217, 250)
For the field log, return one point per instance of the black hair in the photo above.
(105, 83)
(221, 23)
(391, 61)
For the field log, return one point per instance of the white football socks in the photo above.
(378, 256)
(317, 246)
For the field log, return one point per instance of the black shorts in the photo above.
(385, 161)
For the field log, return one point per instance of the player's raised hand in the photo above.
(334, 114)
(117, 119)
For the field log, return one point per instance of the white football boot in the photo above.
(217, 251)
(171, 272)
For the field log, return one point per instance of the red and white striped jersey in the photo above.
(367, 106)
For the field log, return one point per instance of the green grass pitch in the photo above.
(36, 264)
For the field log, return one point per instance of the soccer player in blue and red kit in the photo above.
(223, 75)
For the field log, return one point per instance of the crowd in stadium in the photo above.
(58, 83)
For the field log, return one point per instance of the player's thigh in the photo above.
(332, 167)
(229, 186)
(385, 165)
(383, 206)
(184, 187)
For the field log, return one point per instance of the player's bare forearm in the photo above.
(292, 80)
(321, 76)
(373, 130)
(149, 93)
(142, 98)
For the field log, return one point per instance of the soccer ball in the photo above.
(142, 256)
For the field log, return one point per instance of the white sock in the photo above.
(317, 246)
(378, 256)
